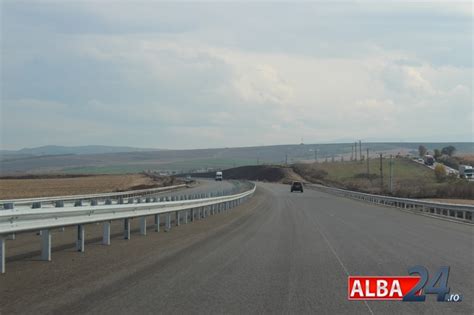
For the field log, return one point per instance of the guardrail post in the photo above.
(168, 222)
(126, 229)
(2, 254)
(157, 222)
(143, 226)
(94, 202)
(46, 245)
(106, 234)
(186, 213)
(192, 215)
(80, 238)
(177, 218)
(8, 206)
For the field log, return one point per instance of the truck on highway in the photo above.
(219, 176)
(429, 160)
(466, 171)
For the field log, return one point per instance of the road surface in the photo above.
(280, 252)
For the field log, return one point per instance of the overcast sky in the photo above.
(196, 75)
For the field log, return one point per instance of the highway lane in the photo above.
(278, 253)
(202, 186)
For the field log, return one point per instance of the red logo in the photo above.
(380, 288)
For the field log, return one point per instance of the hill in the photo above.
(62, 150)
(78, 161)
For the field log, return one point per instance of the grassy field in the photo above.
(402, 169)
(45, 187)
(410, 179)
(183, 165)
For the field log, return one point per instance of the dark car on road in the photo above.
(297, 186)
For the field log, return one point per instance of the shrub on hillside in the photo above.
(440, 172)
(414, 189)
(461, 189)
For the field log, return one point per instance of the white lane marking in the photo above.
(338, 259)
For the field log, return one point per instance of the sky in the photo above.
(222, 74)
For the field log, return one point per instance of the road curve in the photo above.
(280, 252)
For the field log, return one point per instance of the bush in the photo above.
(408, 188)
(440, 173)
(461, 189)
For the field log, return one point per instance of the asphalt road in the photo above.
(280, 252)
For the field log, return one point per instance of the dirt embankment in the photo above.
(267, 173)
(61, 185)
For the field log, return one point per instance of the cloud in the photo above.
(183, 75)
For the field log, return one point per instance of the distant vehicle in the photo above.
(466, 171)
(219, 176)
(420, 160)
(188, 179)
(429, 160)
(296, 186)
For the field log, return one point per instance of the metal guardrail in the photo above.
(44, 219)
(38, 202)
(457, 212)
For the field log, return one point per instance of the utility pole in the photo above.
(316, 155)
(381, 173)
(391, 173)
(352, 152)
(286, 158)
(360, 149)
(368, 168)
(355, 150)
